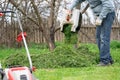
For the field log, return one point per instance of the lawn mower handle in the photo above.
(24, 41)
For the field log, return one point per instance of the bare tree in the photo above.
(117, 10)
(46, 24)
(3, 22)
(42, 13)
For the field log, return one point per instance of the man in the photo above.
(104, 10)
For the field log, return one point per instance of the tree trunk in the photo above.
(49, 38)
(50, 32)
(48, 28)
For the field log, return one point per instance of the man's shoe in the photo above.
(103, 64)
(111, 61)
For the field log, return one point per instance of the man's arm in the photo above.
(108, 6)
(75, 3)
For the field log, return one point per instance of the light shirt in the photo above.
(100, 7)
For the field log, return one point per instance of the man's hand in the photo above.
(98, 21)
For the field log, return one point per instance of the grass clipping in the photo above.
(70, 37)
(63, 56)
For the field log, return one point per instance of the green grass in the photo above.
(83, 73)
(87, 73)
(4, 52)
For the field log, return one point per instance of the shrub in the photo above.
(115, 44)
(16, 59)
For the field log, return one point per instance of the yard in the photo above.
(92, 72)
(87, 73)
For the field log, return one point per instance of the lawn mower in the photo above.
(18, 72)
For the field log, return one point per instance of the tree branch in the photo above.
(15, 5)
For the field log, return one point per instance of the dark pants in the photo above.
(103, 37)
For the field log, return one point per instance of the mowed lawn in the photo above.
(82, 73)
(86, 73)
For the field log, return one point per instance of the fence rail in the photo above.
(86, 34)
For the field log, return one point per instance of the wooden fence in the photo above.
(86, 34)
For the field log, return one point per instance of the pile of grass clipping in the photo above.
(70, 37)
(64, 56)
